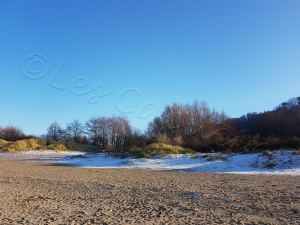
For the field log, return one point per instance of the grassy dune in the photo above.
(41, 144)
(159, 149)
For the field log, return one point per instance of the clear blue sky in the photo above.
(238, 56)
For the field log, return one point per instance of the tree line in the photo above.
(111, 133)
(282, 122)
(203, 129)
(194, 126)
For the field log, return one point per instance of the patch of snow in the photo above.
(195, 196)
(285, 163)
(37, 154)
(223, 199)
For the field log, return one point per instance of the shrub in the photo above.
(27, 144)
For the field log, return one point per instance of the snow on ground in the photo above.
(280, 162)
(38, 155)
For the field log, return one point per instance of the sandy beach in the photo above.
(41, 193)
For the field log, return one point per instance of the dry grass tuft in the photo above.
(159, 149)
(4, 145)
(41, 144)
(27, 144)
(3, 142)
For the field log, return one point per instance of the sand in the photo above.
(41, 193)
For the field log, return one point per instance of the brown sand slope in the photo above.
(36, 193)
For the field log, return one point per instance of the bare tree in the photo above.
(193, 124)
(110, 133)
(54, 132)
(11, 133)
(96, 129)
(74, 131)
